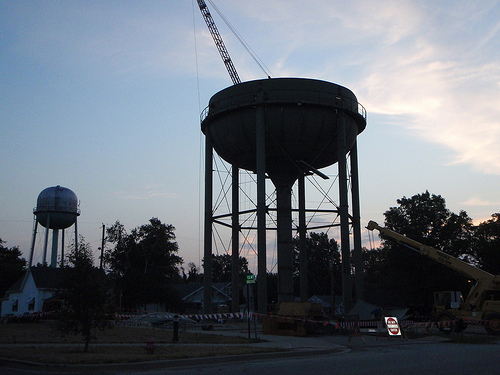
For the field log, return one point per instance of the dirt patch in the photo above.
(45, 332)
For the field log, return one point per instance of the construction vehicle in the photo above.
(293, 318)
(452, 312)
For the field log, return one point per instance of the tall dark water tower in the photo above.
(56, 209)
(283, 129)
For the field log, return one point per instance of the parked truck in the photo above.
(483, 301)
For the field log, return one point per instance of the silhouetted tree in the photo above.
(487, 244)
(12, 266)
(85, 294)
(322, 254)
(144, 264)
(406, 277)
(221, 267)
(193, 274)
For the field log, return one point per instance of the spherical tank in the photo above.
(56, 207)
(301, 120)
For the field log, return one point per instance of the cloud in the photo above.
(474, 202)
(410, 58)
(435, 64)
(147, 192)
(450, 95)
(488, 37)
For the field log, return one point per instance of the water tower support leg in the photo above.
(302, 240)
(356, 224)
(207, 251)
(76, 236)
(235, 256)
(55, 243)
(261, 207)
(62, 249)
(344, 214)
(33, 242)
(46, 240)
(285, 242)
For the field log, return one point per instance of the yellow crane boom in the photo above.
(483, 300)
(435, 254)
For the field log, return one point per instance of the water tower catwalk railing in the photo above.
(348, 104)
(283, 129)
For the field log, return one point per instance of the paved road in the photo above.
(416, 357)
(425, 358)
(368, 355)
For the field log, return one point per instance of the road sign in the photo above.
(392, 326)
(250, 279)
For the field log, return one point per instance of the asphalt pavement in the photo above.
(294, 346)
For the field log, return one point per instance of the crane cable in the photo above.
(201, 148)
(245, 45)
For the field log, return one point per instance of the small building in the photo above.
(192, 296)
(31, 291)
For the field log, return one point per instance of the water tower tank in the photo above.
(56, 207)
(301, 118)
(284, 128)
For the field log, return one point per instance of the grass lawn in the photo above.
(39, 342)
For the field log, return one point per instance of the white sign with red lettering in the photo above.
(392, 326)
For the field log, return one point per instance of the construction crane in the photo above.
(219, 42)
(483, 302)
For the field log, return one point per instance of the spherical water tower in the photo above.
(56, 209)
(283, 128)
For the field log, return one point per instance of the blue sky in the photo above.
(104, 97)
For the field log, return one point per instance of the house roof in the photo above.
(43, 277)
(326, 300)
(186, 290)
(18, 285)
(46, 277)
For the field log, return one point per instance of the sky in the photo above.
(104, 98)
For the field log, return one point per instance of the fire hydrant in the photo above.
(150, 346)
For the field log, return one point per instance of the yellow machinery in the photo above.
(483, 300)
(293, 319)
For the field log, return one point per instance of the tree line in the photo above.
(143, 265)
(398, 276)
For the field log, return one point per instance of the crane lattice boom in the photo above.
(219, 42)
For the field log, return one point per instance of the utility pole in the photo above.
(102, 245)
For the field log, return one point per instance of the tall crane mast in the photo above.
(219, 42)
